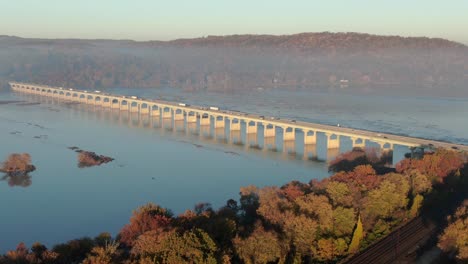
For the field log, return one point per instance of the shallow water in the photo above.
(163, 163)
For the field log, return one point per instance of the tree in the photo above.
(18, 163)
(387, 198)
(436, 165)
(319, 207)
(357, 237)
(260, 247)
(339, 193)
(420, 183)
(145, 218)
(343, 221)
(273, 206)
(417, 203)
(455, 236)
(301, 232)
(107, 254)
(194, 246)
(327, 249)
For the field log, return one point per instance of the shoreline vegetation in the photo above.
(323, 221)
(89, 158)
(16, 169)
(17, 164)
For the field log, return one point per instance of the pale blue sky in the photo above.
(162, 20)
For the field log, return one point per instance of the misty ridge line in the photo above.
(348, 62)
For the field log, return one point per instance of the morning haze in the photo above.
(143, 132)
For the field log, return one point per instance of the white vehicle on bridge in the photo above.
(182, 104)
(97, 91)
(214, 108)
(134, 97)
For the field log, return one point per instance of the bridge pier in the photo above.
(269, 132)
(179, 125)
(333, 141)
(235, 136)
(310, 137)
(106, 104)
(124, 107)
(134, 109)
(310, 151)
(251, 128)
(144, 110)
(252, 140)
(167, 114)
(205, 130)
(191, 118)
(235, 126)
(358, 142)
(178, 116)
(289, 146)
(385, 145)
(205, 120)
(220, 132)
(219, 123)
(155, 112)
(192, 128)
(289, 135)
(269, 143)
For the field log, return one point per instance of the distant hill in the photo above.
(316, 61)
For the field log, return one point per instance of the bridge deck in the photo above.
(382, 138)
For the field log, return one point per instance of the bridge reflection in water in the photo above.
(259, 139)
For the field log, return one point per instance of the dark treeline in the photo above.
(317, 222)
(314, 61)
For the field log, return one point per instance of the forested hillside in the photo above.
(317, 61)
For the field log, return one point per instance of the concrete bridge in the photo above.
(232, 120)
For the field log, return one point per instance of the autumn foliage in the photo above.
(318, 222)
(18, 164)
(454, 239)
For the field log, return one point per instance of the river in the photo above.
(165, 164)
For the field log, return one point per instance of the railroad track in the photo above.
(398, 244)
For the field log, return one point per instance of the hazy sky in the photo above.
(161, 20)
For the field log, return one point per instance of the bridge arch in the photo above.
(124, 102)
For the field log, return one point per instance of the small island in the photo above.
(17, 164)
(89, 158)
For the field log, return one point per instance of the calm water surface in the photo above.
(154, 162)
